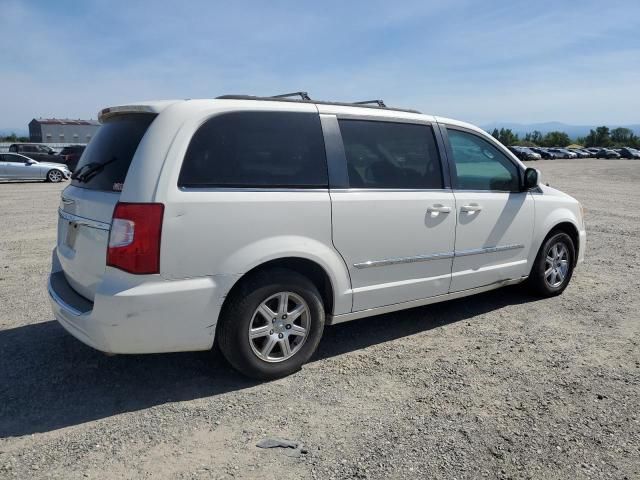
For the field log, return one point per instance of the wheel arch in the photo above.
(310, 269)
(570, 229)
(567, 227)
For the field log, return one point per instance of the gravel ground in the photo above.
(500, 385)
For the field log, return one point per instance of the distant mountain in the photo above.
(572, 130)
(20, 132)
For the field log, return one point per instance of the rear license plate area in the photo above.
(71, 234)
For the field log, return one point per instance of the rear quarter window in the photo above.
(106, 160)
(256, 149)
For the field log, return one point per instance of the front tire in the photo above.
(54, 176)
(272, 324)
(553, 266)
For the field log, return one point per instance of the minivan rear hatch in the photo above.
(87, 204)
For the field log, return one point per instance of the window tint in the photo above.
(107, 158)
(257, 149)
(14, 159)
(480, 165)
(390, 155)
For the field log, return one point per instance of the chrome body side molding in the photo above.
(479, 251)
(396, 261)
(436, 256)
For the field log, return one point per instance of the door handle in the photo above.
(436, 209)
(471, 208)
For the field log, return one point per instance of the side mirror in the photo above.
(532, 178)
(30, 162)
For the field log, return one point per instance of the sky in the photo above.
(478, 61)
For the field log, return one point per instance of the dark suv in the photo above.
(71, 154)
(41, 153)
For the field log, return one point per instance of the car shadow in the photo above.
(49, 380)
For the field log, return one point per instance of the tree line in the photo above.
(600, 137)
(13, 138)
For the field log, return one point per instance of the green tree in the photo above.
(534, 137)
(624, 137)
(600, 137)
(556, 139)
(507, 137)
(10, 138)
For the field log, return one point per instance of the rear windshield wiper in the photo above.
(92, 169)
(78, 172)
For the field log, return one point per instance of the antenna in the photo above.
(380, 103)
(302, 95)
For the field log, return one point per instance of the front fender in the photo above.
(549, 217)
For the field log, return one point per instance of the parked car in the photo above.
(594, 151)
(607, 153)
(628, 152)
(556, 154)
(41, 153)
(71, 155)
(580, 153)
(14, 166)
(544, 153)
(267, 220)
(563, 153)
(587, 152)
(524, 153)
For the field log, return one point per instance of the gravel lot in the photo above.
(500, 385)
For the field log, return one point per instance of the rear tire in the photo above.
(54, 176)
(553, 267)
(263, 336)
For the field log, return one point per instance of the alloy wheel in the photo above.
(279, 327)
(556, 265)
(55, 176)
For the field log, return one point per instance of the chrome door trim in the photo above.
(205, 189)
(86, 222)
(401, 260)
(389, 190)
(436, 256)
(479, 251)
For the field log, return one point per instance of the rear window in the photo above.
(106, 160)
(257, 149)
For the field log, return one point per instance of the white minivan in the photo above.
(254, 221)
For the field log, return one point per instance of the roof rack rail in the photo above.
(302, 95)
(380, 103)
(304, 98)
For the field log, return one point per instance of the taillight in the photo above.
(134, 240)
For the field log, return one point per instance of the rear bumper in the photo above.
(150, 317)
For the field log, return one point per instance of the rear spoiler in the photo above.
(111, 111)
(151, 107)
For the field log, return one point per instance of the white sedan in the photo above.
(14, 166)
